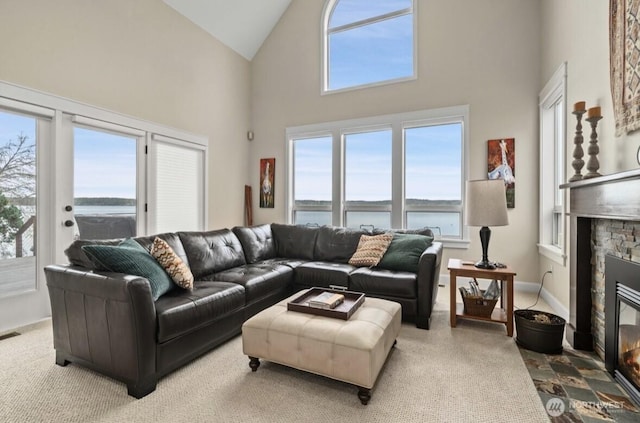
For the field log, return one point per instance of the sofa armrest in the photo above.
(104, 320)
(427, 279)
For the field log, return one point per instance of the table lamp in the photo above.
(486, 205)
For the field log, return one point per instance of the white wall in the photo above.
(482, 53)
(578, 32)
(143, 59)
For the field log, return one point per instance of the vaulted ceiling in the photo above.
(243, 25)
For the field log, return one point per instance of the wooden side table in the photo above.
(504, 314)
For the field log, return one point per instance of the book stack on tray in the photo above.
(339, 304)
(326, 300)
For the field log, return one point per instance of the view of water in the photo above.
(105, 209)
(444, 224)
(30, 210)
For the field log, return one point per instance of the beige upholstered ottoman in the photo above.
(351, 350)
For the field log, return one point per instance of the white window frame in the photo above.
(326, 32)
(398, 123)
(553, 168)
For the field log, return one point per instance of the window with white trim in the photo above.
(395, 171)
(368, 43)
(552, 243)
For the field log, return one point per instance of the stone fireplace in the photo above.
(604, 219)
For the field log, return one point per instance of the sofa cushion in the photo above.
(211, 252)
(259, 279)
(404, 252)
(257, 242)
(370, 250)
(170, 238)
(322, 274)
(78, 257)
(419, 231)
(294, 241)
(180, 312)
(337, 244)
(381, 282)
(291, 262)
(172, 264)
(131, 258)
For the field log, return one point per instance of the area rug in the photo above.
(472, 373)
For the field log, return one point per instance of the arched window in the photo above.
(367, 42)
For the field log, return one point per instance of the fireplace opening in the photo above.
(622, 323)
(629, 350)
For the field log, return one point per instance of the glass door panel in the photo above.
(17, 203)
(104, 184)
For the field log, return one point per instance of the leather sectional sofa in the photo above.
(109, 321)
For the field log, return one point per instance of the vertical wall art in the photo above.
(501, 164)
(624, 40)
(267, 182)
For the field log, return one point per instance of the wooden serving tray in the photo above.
(352, 300)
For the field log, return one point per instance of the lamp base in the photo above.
(485, 264)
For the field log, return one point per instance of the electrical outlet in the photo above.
(551, 268)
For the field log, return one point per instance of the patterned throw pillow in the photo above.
(370, 250)
(172, 264)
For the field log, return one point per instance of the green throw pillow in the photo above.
(133, 259)
(404, 252)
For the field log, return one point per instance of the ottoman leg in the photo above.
(364, 394)
(254, 363)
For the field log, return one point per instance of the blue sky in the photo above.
(104, 164)
(432, 165)
(374, 52)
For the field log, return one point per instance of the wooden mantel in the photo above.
(615, 197)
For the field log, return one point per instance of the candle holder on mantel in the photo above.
(593, 116)
(578, 153)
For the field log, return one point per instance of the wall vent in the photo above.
(8, 335)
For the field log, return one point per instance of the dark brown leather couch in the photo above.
(110, 323)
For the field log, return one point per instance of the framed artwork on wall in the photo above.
(267, 182)
(501, 164)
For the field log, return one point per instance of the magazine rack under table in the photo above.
(505, 275)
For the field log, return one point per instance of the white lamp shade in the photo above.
(486, 203)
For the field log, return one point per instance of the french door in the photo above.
(70, 171)
(25, 142)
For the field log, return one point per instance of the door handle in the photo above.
(68, 223)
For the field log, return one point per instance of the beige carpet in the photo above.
(472, 373)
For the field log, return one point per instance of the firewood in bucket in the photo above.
(542, 318)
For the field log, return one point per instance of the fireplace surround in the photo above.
(612, 197)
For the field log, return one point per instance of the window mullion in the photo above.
(397, 176)
(369, 21)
